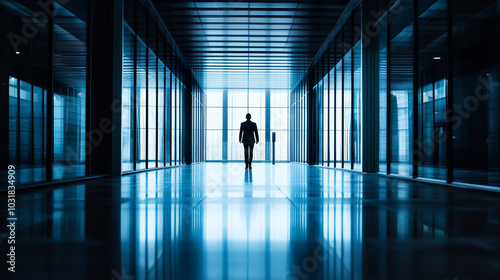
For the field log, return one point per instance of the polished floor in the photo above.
(288, 221)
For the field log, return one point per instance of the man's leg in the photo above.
(245, 146)
(250, 157)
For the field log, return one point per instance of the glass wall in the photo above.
(476, 99)
(437, 92)
(153, 112)
(27, 126)
(36, 88)
(401, 97)
(70, 84)
(433, 91)
(338, 93)
(47, 76)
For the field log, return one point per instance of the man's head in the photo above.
(248, 116)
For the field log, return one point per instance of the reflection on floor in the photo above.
(288, 221)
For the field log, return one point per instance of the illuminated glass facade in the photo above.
(228, 106)
(80, 102)
(405, 88)
(157, 105)
(47, 103)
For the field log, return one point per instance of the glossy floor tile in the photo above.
(288, 221)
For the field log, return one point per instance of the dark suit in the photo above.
(248, 136)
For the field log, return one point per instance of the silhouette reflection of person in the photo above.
(248, 136)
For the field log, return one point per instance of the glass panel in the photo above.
(174, 120)
(13, 120)
(161, 114)
(326, 122)
(70, 78)
(433, 38)
(382, 86)
(332, 143)
(26, 123)
(476, 96)
(279, 122)
(151, 102)
(318, 91)
(182, 160)
(39, 121)
(177, 122)
(127, 100)
(141, 104)
(347, 110)
(168, 114)
(26, 64)
(402, 89)
(357, 106)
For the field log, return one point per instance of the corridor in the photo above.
(287, 221)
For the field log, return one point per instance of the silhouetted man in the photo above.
(247, 130)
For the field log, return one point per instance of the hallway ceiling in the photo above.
(263, 36)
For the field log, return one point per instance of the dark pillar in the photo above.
(5, 48)
(105, 84)
(312, 124)
(268, 125)
(369, 95)
(224, 125)
(188, 117)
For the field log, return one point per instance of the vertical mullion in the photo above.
(328, 108)
(44, 122)
(225, 105)
(343, 102)
(50, 101)
(157, 92)
(165, 106)
(388, 93)
(175, 120)
(352, 93)
(32, 124)
(170, 111)
(435, 155)
(88, 95)
(181, 114)
(18, 124)
(415, 89)
(335, 104)
(449, 97)
(323, 112)
(267, 132)
(174, 77)
(134, 106)
(147, 92)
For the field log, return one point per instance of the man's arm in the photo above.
(256, 134)
(241, 132)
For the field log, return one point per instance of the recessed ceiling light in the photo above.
(18, 52)
(437, 57)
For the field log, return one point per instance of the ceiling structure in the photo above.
(274, 37)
